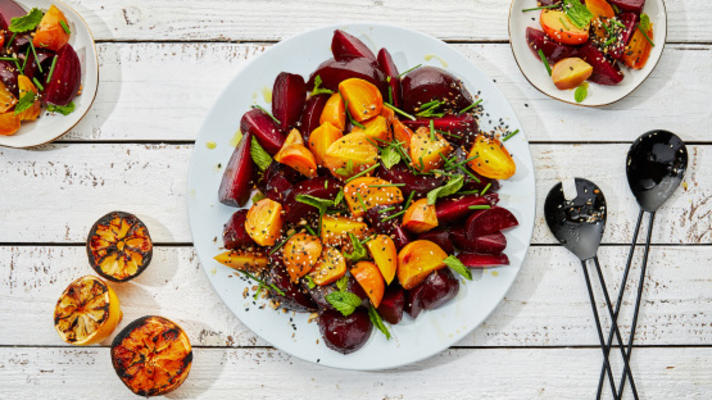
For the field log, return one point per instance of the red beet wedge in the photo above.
(317, 187)
(441, 237)
(493, 243)
(452, 209)
(288, 96)
(234, 234)
(267, 132)
(385, 62)
(392, 305)
(630, 21)
(462, 129)
(421, 184)
(345, 46)
(425, 84)
(277, 181)
(310, 116)
(66, 78)
(635, 6)
(345, 334)
(332, 72)
(478, 260)
(437, 289)
(537, 39)
(604, 71)
(295, 297)
(484, 222)
(237, 178)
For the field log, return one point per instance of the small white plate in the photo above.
(413, 340)
(51, 126)
(598, 95)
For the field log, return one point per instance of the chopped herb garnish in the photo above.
(342, 283)
(410, 199)
(510, 135)
(344, 302)
(65, 27)
(8, 59)
(450, 188)
(485, 189)
(310, 282)
(316, 202)
(359, 252)
(470, 107)
(318, 89)
(339, 197)
(259, 107)
(556, 5)
(25, 102)
(385, 210)
(390, 92)
(456, 265)
(34, 53)
(38, 84)
(351, 118)
(259, 155)
(566, 26)
(24, 63)
(479, 207)
(310, 230)
(262, 284)
(581, 92)
(347, 169)
(362, 173)
(392, 216)
(51, 68)
(432, 131)
(12, 38)
(280, 244)
(258, 196)
(644, 26)
(361, 202)
(577, 13)
(399, 111)
(377, 321)
(410, 69)
(390, 156)
(387, 185)
(545, 61)
(64, 110)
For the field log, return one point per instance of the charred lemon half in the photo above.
(152, 356)
(119, 246)
(87, 312)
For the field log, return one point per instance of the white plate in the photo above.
(598, 95)
(433, 331)
(51, 126)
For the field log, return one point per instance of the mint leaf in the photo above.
(64, 110)
(377, 321)
(342, 282)
(359, 252)
(317, 89)
(310, 282)
(390, 157)
(644, 22)
(26, 101)
(261, 158)
(581, 92)
(577, 13)
(451, 187)
(27, 22)
(316, 202)
(344, 302)
(456, 265)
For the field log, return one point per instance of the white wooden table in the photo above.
(163, 62)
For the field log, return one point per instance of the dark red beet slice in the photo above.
(400, 237)
(537, 39)
(277, 181)
(437, 289)
(635, 6)
(630, 20)
(440, 237)
(385, 62)
(288, 96)
(8, 11)
(66, 78)
(295, 297)
(484, 222)
(392, 304)
(319, 293)
(454, 208)
(375, 216)
(31, 70)
(604, 71)
(462, 128)
(8, 76)
(345, 334)
(345, 46)
(311, 114)
(478, 260)
(332, 72)
(238, 176)
(267, 132)
(493, 243)
(234, 234)
(429, 83)
(294, 210)
(421, 184)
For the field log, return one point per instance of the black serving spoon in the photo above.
(578, 224)
(655, 167)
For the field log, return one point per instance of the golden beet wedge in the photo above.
(367, 192)
(363, 98)
(300, 254)
(417, 260)
(119, 246)
(86, 312)
(384, 254)
(428, 151)
(264, 222)
(492, 159)
(152, 356)
(330, 267)
(242, 260)
(334, 112)
(369, 277)
(420, 217)
(335, 230)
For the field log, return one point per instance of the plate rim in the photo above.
(596, 105)
(532, 202)
(93, 97)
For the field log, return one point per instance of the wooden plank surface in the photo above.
(221, 20)
(66, 187)
(179, 82)
(216, 374)
(547, 306)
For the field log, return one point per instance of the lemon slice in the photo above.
(86, 312)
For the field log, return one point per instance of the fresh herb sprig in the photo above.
(555, 5)
(318, 89)
(259, 107)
